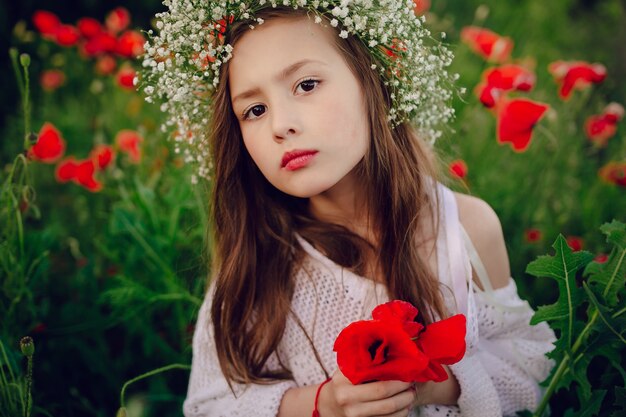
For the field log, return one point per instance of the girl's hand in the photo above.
(340, 398)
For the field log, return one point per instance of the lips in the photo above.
(289, 156)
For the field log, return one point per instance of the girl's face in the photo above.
(300, 108)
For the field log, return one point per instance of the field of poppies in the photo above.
(103, 255)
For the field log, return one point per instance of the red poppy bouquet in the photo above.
(393, 346)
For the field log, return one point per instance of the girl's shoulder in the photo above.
(484, 229)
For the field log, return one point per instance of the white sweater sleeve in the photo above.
(500, 375)
(209, 394)
(511, 350)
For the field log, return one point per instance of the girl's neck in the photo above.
(345, 204)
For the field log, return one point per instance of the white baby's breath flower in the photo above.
(181, 64)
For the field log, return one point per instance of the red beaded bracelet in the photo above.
(316, 413)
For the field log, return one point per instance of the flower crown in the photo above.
(181, 64)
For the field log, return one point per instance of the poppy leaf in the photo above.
(562, 267)
(611, 275)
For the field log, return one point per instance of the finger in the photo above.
(379, 390)
(399, 403)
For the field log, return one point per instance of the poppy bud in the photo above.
(32, 138)
(25, 60)
(27, 346)
(121, 412)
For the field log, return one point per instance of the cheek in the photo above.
(348, 120)
(263, 154)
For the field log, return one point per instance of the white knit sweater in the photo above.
(499, 374)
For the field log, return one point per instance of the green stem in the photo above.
(29, 385)
(16, 69)
(26, 102)
(563, 366)
(614, 275)
(557, 376)
(149, 374)
(619, 313)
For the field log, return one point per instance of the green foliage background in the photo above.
(108, 284)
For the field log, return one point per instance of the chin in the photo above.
(305, 189)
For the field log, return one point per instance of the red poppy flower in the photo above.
(39, 328)
(66, 170)
(50, 80)
(516, 120)
(89, 27)
(117, 20)
(575, 75)
(600, 128)
(129, 142)
(502, 79)
(46, 23)
(458, 168)
(102, 155)
(575, 243)
(105, 65)
(49, 147)
(130, 44)
(400, 312)
(533, 235)
(85, 171)
(487, 44)
(126, 77)
(443, 342)
(421, 7)
(374, 350)
(601, 258)
(614, 173)
(100, 44)
(67, 35)
(221, 26)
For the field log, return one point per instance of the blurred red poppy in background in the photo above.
(458, 168)
(129, 142)
(571, 75)
(575, 243)
(89, 27)
(614, 173)
(499, 80)
(487, 43)
(102, 155)
(117, 20)
(516, 120)
(601, 127)
(46, 23)
(49, 147)
(533, 235)
(52, 79)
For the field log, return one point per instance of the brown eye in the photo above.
(308, 85)
(255, 111)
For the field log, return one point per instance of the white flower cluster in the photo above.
(182, 62)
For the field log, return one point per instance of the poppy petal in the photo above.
(516, 120)
(49, 147)
(401, 312)
(373, 350)
(444, 341)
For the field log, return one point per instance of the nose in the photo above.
(285, 120)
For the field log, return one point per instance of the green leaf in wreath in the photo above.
(610, 277)
(561, 267)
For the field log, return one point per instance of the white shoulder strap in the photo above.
(476, 262)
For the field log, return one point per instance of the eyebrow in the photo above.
(281, 76)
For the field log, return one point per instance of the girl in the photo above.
(325, 204)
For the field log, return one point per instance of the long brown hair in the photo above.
(255, 224)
